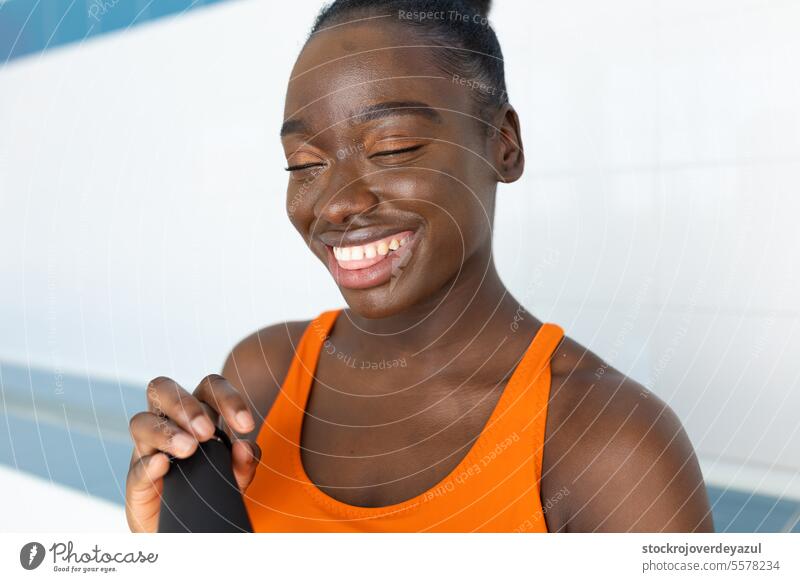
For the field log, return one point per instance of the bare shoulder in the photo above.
(616, 456)
(257, 366)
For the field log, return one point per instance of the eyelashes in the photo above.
(301, 167)
(385, 153)
(398, 151)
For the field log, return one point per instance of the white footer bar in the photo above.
(415, 557)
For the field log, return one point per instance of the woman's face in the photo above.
(392, 175)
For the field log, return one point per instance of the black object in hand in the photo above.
(200, 493)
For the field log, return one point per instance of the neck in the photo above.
(472, 310)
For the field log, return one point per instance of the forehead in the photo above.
(355, 64)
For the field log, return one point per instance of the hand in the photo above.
(176, 422)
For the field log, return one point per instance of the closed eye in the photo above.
(394, 152)
(302, 167)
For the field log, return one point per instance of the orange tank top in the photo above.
(495, 487)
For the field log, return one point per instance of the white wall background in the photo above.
(143, 231)
(32, 504)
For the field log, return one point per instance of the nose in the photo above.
(346, 196)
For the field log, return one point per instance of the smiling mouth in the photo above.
(355, 257)
(374, 263)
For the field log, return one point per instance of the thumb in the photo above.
(246, 455)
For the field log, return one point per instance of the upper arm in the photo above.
(257, 366)
(627, 462)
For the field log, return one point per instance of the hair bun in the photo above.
(482, 7)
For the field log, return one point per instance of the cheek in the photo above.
(457, 219)
(300, 204)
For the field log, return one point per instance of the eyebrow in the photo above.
(293, 126)
(391, 108)
(373, 112)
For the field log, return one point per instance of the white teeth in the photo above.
(369, 251)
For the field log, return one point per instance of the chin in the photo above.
(378, 302)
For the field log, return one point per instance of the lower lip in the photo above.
(372, 276)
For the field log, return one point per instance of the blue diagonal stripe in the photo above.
(28, 27)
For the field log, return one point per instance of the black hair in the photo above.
(469, 46)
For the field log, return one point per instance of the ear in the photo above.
(506, 145)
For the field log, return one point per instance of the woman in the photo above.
(434, 402)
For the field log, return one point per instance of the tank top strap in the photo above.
(316, 335)
(535, 376)
(291, 398)
(528, 387)
(543, 346)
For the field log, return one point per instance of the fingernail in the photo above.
(245, 420)
(152, 459)
(182, 442)
(202, 426)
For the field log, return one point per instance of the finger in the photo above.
(246, 457)
(152, 433)
(168, 398)
(221, 395)
(211, 413)
(145, 477)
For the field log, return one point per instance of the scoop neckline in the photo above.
(475, 448)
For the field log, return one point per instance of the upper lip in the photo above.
(360, 236)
